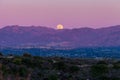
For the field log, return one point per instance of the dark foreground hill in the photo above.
(19, 36)
(29, 67)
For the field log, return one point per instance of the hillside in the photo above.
(20, 36)
(29, 67)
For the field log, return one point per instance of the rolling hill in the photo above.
(20, 36)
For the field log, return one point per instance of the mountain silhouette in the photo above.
(14, 36)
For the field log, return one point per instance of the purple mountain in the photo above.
(19, 36)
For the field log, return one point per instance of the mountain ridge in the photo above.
(38, 36)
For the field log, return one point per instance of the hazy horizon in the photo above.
(56, 26)
(70, 13)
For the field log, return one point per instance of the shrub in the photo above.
(52, 77)
(99, 69)
(59, 65)
(27, 55)
(17, 61)
(74, 69)
(116, 65)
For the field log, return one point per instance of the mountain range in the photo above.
(20, 36)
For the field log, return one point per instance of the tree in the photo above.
(6, 71)
(29, 74)
(1, 72)
(1, 54)
(52, 77)
(99, 70)
(27, 55)
(60, 65)
(116, 65)
(17, 61)
(74, 69)
(23, 71)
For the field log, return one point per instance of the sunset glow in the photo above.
(71, 13)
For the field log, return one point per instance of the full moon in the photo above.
(60, 27)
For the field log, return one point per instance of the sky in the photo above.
(70, 13)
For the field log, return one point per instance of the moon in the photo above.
(60, 27)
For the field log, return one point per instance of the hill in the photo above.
(44, 37)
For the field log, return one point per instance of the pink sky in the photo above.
(70, 13)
